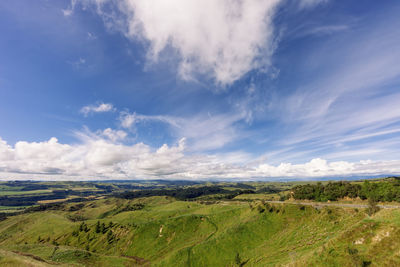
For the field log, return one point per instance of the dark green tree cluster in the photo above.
(83, 227)
(88, 233)
(388, 190)
(132, 207)
(381, 191)
(330, 191)
(183, 193)
(102, 228)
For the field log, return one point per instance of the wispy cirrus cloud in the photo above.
(349, 110)
(310, 3)
(325, 29)
(129, 120)
(69, 10)
(203, 131)
(77, 64)
(99, 108)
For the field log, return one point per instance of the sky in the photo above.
(198, 90)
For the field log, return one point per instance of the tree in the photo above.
(372, 206)
(54, 251)
(365, 190)
(98, 227)
(110, 236)
(238, 261)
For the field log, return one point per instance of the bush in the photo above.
(260, 209)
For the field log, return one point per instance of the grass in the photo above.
(167, 232)
(244, 231)
(8, 258)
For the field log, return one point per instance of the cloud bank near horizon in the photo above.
(99, 158)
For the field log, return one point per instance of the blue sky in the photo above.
(182, 89)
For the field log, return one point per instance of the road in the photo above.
(319, 204)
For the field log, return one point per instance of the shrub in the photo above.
(260, 209)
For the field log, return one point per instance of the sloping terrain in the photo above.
(160, 231)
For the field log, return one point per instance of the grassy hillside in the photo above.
(160, 231)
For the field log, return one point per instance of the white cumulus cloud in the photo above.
(222, 39)
(100, 158)
(113, 135)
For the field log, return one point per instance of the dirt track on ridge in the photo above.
(319, 204)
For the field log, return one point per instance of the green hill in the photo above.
(161, 231)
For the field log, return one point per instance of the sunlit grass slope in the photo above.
(160, 231)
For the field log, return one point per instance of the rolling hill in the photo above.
(162, 231)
